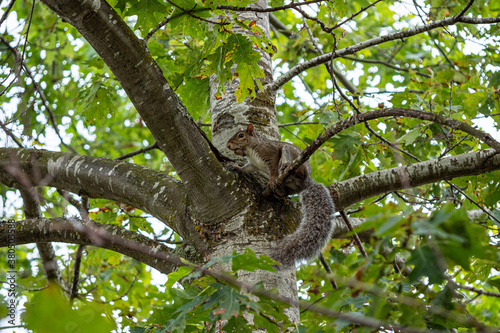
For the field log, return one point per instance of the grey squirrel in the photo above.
(271, 157)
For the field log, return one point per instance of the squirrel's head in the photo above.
(241, 139)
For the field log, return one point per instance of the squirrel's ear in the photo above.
(250, 129)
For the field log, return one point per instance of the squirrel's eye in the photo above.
(241, 135)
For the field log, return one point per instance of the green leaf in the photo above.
(425, 264)
(4, 310)
(114, 259)
(495, 282)
(248, 73)
(248, 261)
(176, 276)
(410, 137)
(444, 298)
(149, 13)
(389, 226)
(236, 50)
(228, 300)
(237, 324)
(88, 317)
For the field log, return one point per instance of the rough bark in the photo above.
(363, 187)
(254, 226)
(166, 117)
(157, 194)
(130, 183)
(394, 112)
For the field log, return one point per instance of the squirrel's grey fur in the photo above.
(272, 157)
(314, 230)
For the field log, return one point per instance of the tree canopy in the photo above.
(118, 213)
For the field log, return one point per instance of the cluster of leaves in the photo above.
(437, 72)
(204, 303)
(201, 41)
(444, 246)
(441, 252)
(437, 248)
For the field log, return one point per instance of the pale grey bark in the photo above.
(252, 227)
(244, 236)
(363, 187)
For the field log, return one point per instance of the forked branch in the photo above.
(396, 112)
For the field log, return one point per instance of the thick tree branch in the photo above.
(161, 109)
(100, 235)
(160, 257)
(161, 196)
(294, 71)
(363, 187)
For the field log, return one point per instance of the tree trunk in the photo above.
(260, 223)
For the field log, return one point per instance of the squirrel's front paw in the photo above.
(231, 166)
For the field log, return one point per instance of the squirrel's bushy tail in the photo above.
(314, 230)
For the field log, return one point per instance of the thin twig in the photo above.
(7, 11)
(76, 272)
(278, 83)
(12, 136)
(270, 9)
(126, 292)
(392, 92)
(385, 63)
(453, 147)
(137, 152)
(66, 196)
(328, 270)
(295, 135)
(299, 123)
(390, 144)
(475, 290)
(354, 15)
(354, 234)
(28, 30)
(155, 29)
(491, 216)
(463, 11)
(190, 13)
